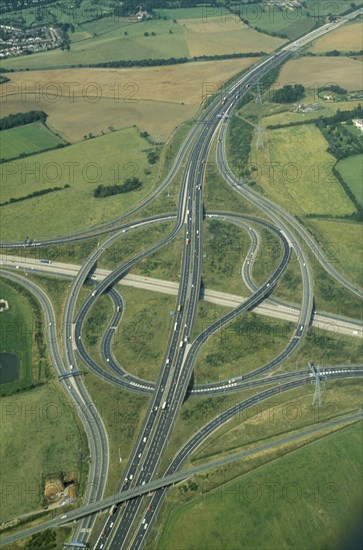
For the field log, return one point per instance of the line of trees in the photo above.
(322, 122)
(341, 116)
(170, 61)
(11, 121)
(358, 216)
(108, 190)
(34, 194)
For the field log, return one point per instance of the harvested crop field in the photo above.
(320, 71)
(156, 99)
(205, 36)
(346, 38)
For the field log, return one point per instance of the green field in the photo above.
(294, 169)
(95, 325)
(133, 243)
(108, 159)
(224, 250)
(342, 242)
(16, 334)
(305, 511)
(190, 38)
(271, 19)
(141, 339)
(189, 13)
(351, 171)
(39, 436)
(242, 346)
(280, 415)
(122, 413)
(325, 349)
(114, 45)
(28, 139)
(218, 195)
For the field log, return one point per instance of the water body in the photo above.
(9, 367)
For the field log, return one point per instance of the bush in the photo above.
(108, 190)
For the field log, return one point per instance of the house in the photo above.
(358, 122)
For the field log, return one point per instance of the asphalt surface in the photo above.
(270, 307)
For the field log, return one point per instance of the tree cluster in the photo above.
(108, 190)
(42, 541)
(289, 93)
(152, 157)
(11, 121)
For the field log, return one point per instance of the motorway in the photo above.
(190, 280)
(174, 378)
(270, 308)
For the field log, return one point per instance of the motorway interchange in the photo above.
(129, 525)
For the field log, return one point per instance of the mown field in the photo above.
(304, 511)
(27, 139)
(320, 71)
(351, 171)
(346, 39)
(156, 99)
(39, 436)
(106, 160)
